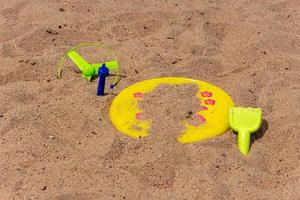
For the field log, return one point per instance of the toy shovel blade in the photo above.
(245, 121)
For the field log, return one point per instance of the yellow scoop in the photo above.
(245, 121)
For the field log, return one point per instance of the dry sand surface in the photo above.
(56, 139)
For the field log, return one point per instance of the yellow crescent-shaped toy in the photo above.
(213, 110)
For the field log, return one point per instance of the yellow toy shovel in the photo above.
(245, 121)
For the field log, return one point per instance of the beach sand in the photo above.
(56, 138)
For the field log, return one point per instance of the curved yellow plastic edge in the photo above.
(125, 107)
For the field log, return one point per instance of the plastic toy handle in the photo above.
(103, 72)
(83, 65)
(88, 70)
(112, 65)
(244, 141)
(101, 85)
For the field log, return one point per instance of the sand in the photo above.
(57, 141)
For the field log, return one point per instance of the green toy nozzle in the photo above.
(245, 121)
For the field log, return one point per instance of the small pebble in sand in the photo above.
(1, 115)
(94, 133)
(190, 113)
(170, 38)
(44, 187)
(52, 137)
(52, 32)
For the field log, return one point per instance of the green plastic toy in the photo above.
(89, 70)
(245, 121)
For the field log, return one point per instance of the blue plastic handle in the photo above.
(103, 72)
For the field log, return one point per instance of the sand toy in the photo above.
(245, 121)
(89, 70)
(214, 106)
(103, 72)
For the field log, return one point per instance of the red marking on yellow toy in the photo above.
(139, 116)
(210, 102)
(206, 94)
(138, 95)
(201, 119)
(204, 108)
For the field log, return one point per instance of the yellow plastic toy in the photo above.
(213, 110)
(245, 121)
